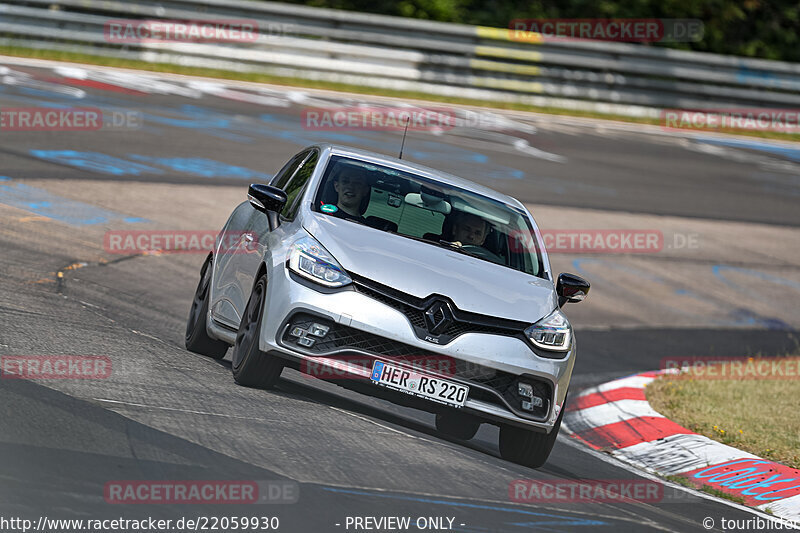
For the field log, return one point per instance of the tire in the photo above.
(526, 447)
(457, 425)
(197, 339)
(252, 367)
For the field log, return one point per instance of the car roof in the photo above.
(438, 175)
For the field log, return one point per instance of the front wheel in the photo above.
(197, 339)
(526, 447)
(252, 367)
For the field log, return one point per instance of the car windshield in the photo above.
(419, 208)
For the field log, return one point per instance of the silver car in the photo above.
(397, 281)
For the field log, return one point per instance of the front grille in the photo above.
(415, 316)
(414, 309)
(341, 339)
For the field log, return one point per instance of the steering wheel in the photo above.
(480, 251)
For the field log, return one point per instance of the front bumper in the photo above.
(490, 359)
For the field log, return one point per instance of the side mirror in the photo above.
(571, 288)
(266, 198)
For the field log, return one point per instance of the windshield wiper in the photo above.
(448, 245)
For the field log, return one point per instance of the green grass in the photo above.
(759, 416)
(722, 494)
(680, 480)
(300, 82)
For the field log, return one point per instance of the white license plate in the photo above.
(421, 385)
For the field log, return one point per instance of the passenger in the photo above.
(352, 190)
(469, 229)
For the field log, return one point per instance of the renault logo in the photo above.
(438, 317)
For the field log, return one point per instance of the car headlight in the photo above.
(310, 259)
(553, 332)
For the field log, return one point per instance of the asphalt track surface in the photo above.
(167, 414)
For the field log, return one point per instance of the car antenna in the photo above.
(402, 145)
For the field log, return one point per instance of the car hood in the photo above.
(422, 269)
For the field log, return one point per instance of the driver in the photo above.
(352, 191)
(469, 229)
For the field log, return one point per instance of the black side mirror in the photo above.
(571, 288)
(266, 198)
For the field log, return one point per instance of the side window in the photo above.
(285, 174)
(296, 187)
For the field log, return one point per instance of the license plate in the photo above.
(420, 385)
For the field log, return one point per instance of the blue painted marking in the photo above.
(95, 162)
(746, 316)
(738, 317)
(46, 204)
(555, 520)
(46, 94)
(289, 128)
(785, 151)
(719, 269)
(207, 168)
(204, 120)
(376, 371)
(97, 102)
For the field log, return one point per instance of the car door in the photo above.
(244, 245)
(249, 261)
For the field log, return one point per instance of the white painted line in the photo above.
(609, 413)
(612, 411)
(670, 455)
(679, 453)
(787, 508)
(188, 411)
(365, 419)
(635, 382)
(523, 146)
(649, 475)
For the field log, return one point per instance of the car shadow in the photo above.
(301, 387)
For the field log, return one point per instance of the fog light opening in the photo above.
(529, 401)
(318, 330)
(306, 335)
(306, 342)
